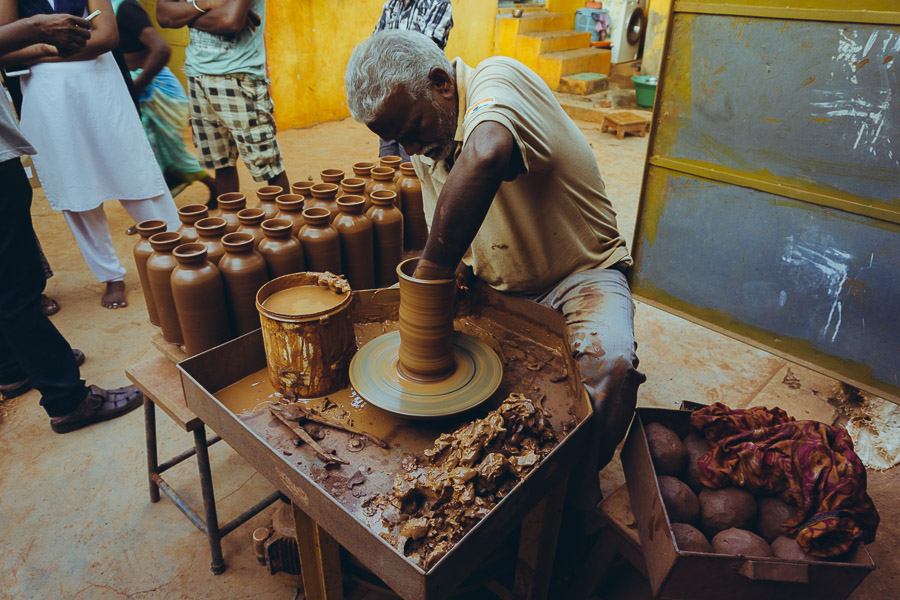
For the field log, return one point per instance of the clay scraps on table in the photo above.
(433, 505)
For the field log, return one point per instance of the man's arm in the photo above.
(226, 17)
(488, 157)
(25, 41)
(156, 58)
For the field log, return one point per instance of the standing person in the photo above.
(77, 113)
(433, 18)
(32, 351)
(508, 175)
(231, 111)
(163, 103)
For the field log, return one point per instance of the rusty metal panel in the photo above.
(771, 201)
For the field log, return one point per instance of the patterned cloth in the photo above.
(433, 18)
(233, 114)
(806, 463)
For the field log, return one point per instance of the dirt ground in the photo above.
(78, 521)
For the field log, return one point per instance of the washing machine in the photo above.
(628, 20)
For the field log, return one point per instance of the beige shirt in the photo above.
(553, 220)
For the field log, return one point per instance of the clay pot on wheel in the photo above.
(383, 179)
(211, 231)
(415, 228)
(290, 208)
(267, 195)
(142, 252)
(251, 222)
(281, 250)
(229, 206)
(387, 224)
(199, 296)
(188, 215)
(321, 245)
(323, 196)
(357, 242)
(427, 308)
(159, 272)
(244, 272)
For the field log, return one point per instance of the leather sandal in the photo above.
(99, 405)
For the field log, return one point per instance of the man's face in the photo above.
(424, 126)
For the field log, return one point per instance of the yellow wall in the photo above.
(308, 45)
(566, 7)
(178, 41)
(657, 21)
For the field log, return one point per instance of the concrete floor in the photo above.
(78, 522)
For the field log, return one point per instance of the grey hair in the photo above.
(386, 61)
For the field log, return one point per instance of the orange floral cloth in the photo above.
(806, 463)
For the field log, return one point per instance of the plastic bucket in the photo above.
(645, 89)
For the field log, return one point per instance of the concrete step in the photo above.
(507, 27)
(531, 45)
(583, 84)
(554, 65)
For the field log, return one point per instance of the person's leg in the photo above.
(226, 181)
(91, 232)
(247, 111)
(160, 207)
(281, 180)
(30, 345)
(599, 314)
(216, 149)
(391, 148)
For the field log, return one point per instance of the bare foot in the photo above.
(210, 184)
(115, 295)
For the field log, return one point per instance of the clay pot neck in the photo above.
(251, 216)
(232, 201)
(237, 243)
(383, 174)
(363, 169)
(301, 188)
(210, 228)
(351, 204)
(268, 193)
(276, 228)
(317, 217)
(165, 242)
(383, 197)
(324, 191)
(290, 202)
(190, 254)
(332, 175)
(353, 185)
(407, 169)
(192, 213)
(150, 227)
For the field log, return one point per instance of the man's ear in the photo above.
(442, 82)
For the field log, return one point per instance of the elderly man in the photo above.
(508, 176)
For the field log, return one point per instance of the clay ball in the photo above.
(666, 449)
(689, 539)
(696, 447)
(772, 513)
(788, 549)
(725, 509)
(681, 503)
(740, 542)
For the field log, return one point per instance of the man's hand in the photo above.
(211, 4)
(68, 34)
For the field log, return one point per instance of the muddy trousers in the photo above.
(30, 345)
(599, 314)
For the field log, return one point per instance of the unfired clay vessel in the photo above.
(387, 223)
(323, 196)
(142, 251)
(290, 207)
(392, 162)
(244, 272)
(363, 170)
(415, 228)
(332, 176)
(301, 188)
(281, 250)
(211, 231)
(188, 215)
(267, 195)
(321, 245)
(199, 296)
(426, 325)
(383, 179)
(159, 271)
(357, 242)
(354, 186)
(229, 205)
(251, 222)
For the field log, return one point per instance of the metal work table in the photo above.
(330, 511)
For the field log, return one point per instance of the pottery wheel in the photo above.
(374, 375)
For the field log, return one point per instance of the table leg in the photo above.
(217, 565)
(152, 459)
(320, 559)
(537, 546)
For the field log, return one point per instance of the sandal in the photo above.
(49, 306)
(99, 405)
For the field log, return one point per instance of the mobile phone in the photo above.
(91, 16)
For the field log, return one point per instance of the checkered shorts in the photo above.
(232, 114)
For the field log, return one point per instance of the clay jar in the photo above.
(199, 296)
(142, 251)
(301, 188)
(281, 250)
(415, 228)
(363, 170)
(334, 176)
(357, 242)
(229, 205)
(383, 179)
(266, 196)
(159, 271)
(321, 245)
(387, 225)
(392, 162)
(354, 186)
(323, 196)
(290, 208)
(211, 231)
(188, 215)
(426, 325)
(244, 272)
(251, 222)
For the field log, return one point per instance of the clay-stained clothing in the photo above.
(551, 221)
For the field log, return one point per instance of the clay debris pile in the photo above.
(466, 473)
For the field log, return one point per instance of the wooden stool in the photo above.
(625, 122)
(160, 381)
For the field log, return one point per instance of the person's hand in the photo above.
(253, 20)
(66, 33)
(211, 4)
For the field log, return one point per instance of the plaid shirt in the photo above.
(434, 18)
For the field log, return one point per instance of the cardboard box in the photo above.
(679, 575)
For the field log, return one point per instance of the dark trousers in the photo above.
(30, 345)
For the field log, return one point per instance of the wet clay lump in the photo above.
(303, 300)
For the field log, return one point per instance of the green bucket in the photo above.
(645, 89)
